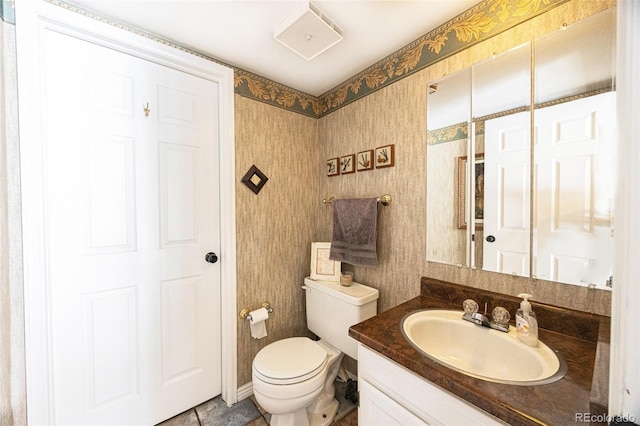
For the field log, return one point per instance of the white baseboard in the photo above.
(245, 391)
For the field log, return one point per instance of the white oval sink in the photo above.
(481, 352)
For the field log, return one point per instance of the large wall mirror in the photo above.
(520, 155)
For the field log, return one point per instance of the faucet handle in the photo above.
(500, 315)
(470, 307)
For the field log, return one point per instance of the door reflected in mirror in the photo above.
(543, 207)
(502, 117)
(573, 153)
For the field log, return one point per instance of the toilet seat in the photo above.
(289, 361)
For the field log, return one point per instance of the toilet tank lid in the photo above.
(356, 294)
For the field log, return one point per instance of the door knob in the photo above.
(490, 239)
(211, 257)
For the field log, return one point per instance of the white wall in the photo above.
(624, 394)
(12, 357)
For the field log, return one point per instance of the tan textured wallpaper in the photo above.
(395, 115)
(276, 227)
(445, 242)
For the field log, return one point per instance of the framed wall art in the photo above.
(333, 167)
(364, 160)
(254, 179)
(384, 156)
(323, 268)
(463, 191)
(347, 164)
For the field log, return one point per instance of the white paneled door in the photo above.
(574, 149)
(131, 200)
(573, 156)
(506, 204)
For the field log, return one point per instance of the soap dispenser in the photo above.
(526, 322)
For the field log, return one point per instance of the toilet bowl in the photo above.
(293, 378)
(293, 381)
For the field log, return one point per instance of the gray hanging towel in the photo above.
(354, 231)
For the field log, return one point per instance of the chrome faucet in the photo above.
(500, 316)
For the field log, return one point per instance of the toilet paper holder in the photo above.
(244, 313)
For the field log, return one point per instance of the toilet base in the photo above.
(325, 417)
(298, 417)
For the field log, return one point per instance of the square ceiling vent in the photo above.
(308, 32)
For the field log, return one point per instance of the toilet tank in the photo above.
(332, 309)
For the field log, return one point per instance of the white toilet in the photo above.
(293, 378)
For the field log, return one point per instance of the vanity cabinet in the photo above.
(390, 394)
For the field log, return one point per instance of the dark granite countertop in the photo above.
(581, 338)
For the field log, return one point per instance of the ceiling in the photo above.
(240, 32)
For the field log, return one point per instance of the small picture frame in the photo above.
(347, 164)
(323, 268)
(364, 160)
(333, 167)
(464, 189)
(254, 179)
(385, 156)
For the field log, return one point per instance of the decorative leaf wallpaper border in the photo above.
(450, 133)
(487, 19)
(256, 87)
(460, 131)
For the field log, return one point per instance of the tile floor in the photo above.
(247, 413)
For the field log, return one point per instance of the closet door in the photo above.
(132, 208)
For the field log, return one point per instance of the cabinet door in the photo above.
(377, 408)
(406, 393)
